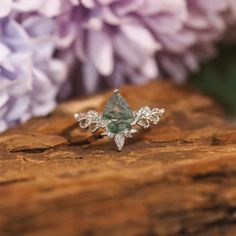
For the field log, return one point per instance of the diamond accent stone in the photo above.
(120, 141)
(91, 120)
(146, 116)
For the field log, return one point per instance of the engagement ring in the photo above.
(118, 121)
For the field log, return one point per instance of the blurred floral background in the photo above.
(50, 50)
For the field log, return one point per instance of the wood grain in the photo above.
(175, 179)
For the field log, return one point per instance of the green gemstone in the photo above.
(117, 108)
(124, 125)
(113, 127)
(119, 113)
(118, 126)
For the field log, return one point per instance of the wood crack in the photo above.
(175, 179)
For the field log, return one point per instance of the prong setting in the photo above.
(116, 91)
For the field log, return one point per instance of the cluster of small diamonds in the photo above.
(146, 116)
(91, 120)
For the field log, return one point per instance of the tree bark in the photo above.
(177, 178)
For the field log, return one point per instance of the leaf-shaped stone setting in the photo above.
(146, 116)
(91, 120)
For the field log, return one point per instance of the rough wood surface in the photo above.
(175, 179)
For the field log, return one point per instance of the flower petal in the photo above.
(101, 52)
(91, 77)
(5, 7)
(141, 36)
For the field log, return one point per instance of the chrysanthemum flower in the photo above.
(115, 41)
(119, 39)
(196, 40)
(139, 40)
(30, 77)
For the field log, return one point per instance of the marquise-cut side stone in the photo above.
(119, 113)
(120, 141)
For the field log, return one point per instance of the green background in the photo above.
(217, 78)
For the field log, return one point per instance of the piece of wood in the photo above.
(178, 178)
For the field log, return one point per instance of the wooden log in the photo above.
(175, 179)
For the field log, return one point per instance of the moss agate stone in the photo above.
(118, 112)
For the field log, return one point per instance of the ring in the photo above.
(118, 121)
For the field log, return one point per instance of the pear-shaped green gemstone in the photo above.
(119, 113)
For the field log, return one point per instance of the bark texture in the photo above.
(178, 178)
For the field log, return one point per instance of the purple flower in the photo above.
(115, 41)
(119, 39)
(5, 7)
(195, 41)
(139, 40)
(30, 77)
